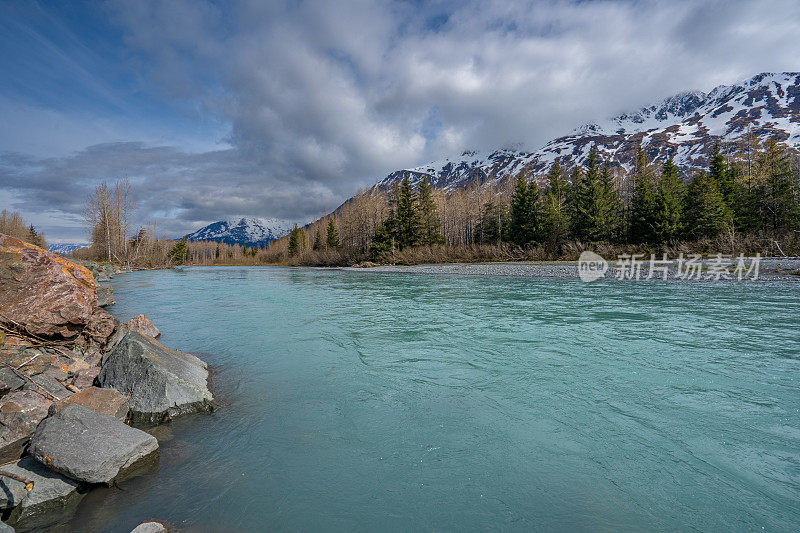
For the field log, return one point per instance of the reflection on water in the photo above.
(357, 401)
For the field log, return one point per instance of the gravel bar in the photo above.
(770, 269)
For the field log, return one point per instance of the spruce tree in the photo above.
(297, 241)
(718, 171)
(427, 219)
(383, 243)
(492, 224)
(34, 237)
(332, 238)
(521, 225)
(707, 214)
(318, 240)
(643, 203)
(406, 223)
(779, 207)
(179, 252)
(597, 206)
(555, 217)
(670, 196)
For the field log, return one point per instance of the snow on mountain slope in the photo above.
(247, 231)
(64, 248)
(685, 127)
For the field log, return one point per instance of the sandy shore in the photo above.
(770, 269)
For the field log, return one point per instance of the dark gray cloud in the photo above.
(320, 98)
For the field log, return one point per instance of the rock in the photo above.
(143, 325)
(57, 373)
(52, 497)
(43, 293)
(10, 379)
(75, 364)
(44, 385)
(101, 325)
(32, 361)
(84, 379)
(12, 491)
(91, 447)
(150, 526)
(5, 528)
(105, 295)
(103, 401)
(20, 412)
(94, 355)
(162, 382)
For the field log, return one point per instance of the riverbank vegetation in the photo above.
(12, 224)
(746, 201)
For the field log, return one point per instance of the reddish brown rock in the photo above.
(101, 325)
(85, 377)
(43, 293)
(20, 412)
(103, 401)
(143, 325)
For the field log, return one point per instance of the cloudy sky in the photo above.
(284, 109)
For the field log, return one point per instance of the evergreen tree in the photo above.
(318, 240)
(383, 243)
(597, 206)
(522, 223)
(707, 214)
(718, 171)
(492, 224)
(779, 207)
(643, 204)
(406, 216)
(745, 206)
(179, 252)
(670, 196)
(34, 237)
(428, 224)
(555, 216)
(332, 239)
(297, 241)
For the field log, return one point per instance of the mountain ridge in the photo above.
(684, 126)
(245, 231)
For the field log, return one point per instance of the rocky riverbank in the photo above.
(77, 387)
(770, 269)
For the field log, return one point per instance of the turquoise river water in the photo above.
(356, 401)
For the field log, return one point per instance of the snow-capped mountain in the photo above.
(245, 231)
(685, 127)
(64, 248)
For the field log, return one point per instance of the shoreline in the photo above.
(80, 391)
(771, 269)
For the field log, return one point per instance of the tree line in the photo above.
(12, 224)
(661, 209)
(747, 198)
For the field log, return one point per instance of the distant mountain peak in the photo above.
(245, 231)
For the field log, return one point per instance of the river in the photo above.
(355, 401)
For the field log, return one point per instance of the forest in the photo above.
(747, 200)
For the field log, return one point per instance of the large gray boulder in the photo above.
(90, 446)
(162, 382)
(105, 295)
(53, 496)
